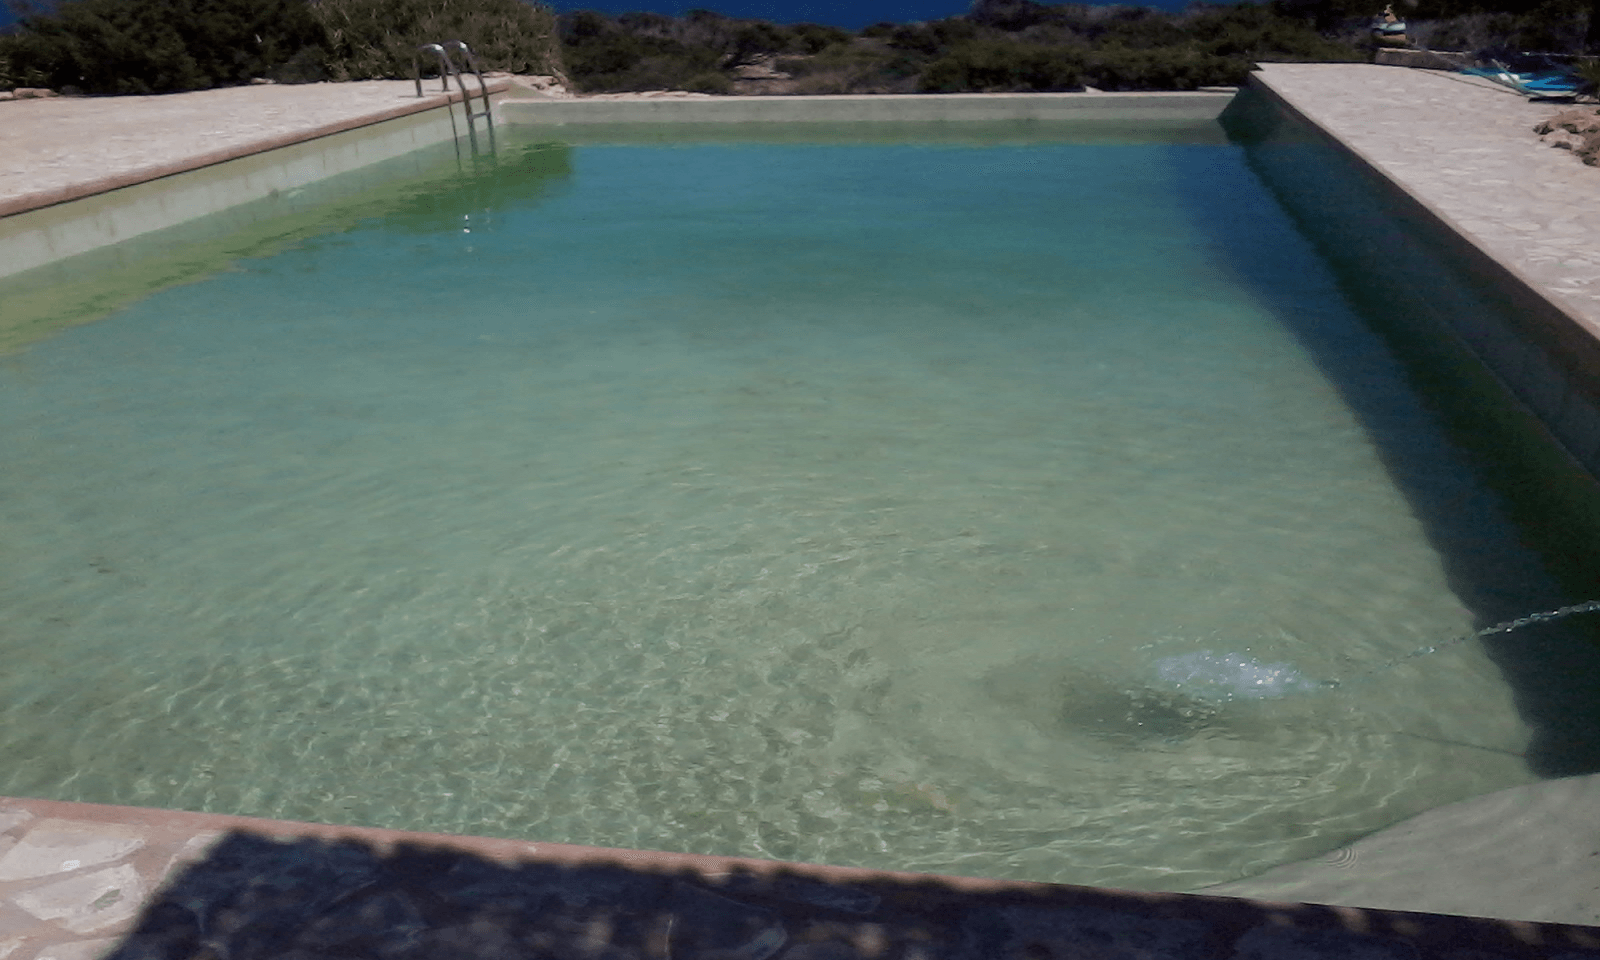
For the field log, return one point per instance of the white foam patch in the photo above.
(1230, 675)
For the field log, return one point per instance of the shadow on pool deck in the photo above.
(306, 898)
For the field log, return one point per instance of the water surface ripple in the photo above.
(833, 503)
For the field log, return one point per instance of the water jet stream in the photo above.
(1233, 676)
(1546, 616)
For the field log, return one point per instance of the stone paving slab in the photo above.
(63, 148)
(1465, 149)
(80, 881)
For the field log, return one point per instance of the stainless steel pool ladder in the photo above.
(448, 69)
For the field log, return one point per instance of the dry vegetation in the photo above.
(143, 46)
(998, 45)
(159, 46)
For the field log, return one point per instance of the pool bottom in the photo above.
(852, 581)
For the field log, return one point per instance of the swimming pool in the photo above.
(835, 501)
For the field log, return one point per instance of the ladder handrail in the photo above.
(448, 69)
(472, 63)
(445, 66)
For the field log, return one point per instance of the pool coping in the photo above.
(155, 184)
(88, 188)
(306, 136)
(1484, 256)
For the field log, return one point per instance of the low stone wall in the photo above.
(1423, 59)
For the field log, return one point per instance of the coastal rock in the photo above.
(33, 93)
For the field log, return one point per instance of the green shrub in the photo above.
(995, 65)
(636, 52)
(11, 77)
(1014, 15)
(932, 39)
(859, 66)
(1256, 32)
(1170, 68)
(711, 81)
(308, 65)
(1328, 16)
(1556, 26)
(999, 45)
(641, 51)
(156, 46)
(814, 38)
(1138, 28)
(374, 39)
(751, 39)
(160, 46)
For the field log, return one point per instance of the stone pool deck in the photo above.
(83, 881)
(57, 149)
(1465, 149)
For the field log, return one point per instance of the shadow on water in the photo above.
(256, 897)
(1475, 437)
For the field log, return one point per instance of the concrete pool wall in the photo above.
(44, 222)
(51, 222)
(892, 108)
(1396, 219)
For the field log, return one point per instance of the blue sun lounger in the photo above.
(1539, 85)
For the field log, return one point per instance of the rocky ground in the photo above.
(1576, 129)
(27, 93)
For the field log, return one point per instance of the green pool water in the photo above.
(830, 500)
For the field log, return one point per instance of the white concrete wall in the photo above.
(918, 108)
(46, 235)
(37, 237)
(1439, 280)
